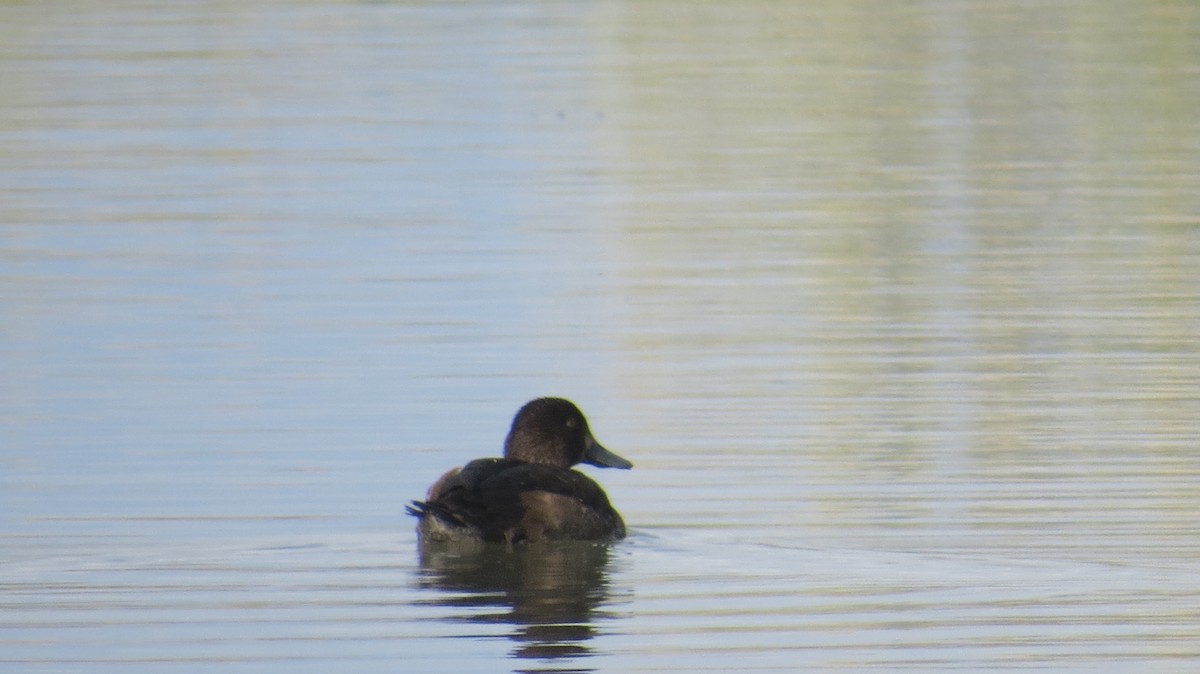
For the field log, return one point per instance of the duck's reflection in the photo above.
(551, 593)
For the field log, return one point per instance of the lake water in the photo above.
(895, 307)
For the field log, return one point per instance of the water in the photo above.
(894, 306)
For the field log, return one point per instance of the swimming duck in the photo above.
(531, 494)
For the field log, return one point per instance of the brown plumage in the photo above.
(531, 494)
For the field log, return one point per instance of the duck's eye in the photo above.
(573, 422)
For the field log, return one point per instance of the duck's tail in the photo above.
(417, 509)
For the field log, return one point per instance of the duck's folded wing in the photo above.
(462, 500)
(508, 484)
(490, 489)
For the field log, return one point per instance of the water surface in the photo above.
(894, 307)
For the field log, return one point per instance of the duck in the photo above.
(532, 493)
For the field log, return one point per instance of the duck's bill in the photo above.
(597, 455)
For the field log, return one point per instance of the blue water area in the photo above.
(893, 307)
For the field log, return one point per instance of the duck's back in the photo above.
(501, 500)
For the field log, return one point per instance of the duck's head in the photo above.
(553, 431)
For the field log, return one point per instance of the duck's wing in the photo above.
(544, 502)
(468, 477)
(489, 497)
(460, 502)
(530, 477)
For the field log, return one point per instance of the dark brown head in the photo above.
(553, 431)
